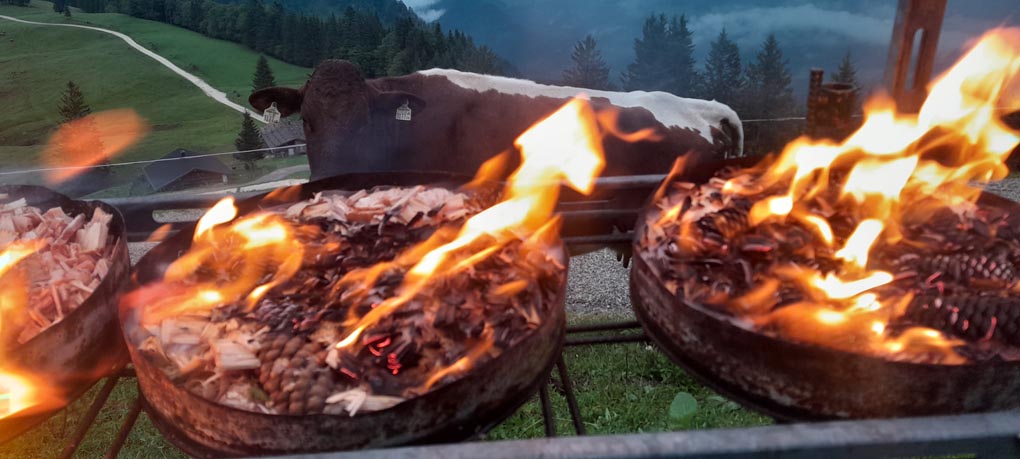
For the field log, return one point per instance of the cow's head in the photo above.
(338, 108)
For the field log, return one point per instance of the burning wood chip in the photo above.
(70, 261)
(231, 356)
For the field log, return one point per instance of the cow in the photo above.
(447, 120)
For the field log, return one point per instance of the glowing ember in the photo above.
(853, 245)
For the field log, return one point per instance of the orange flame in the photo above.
(85, 142)
(13, 292)
(255, 247)
(563, 147)
(19, 390)
(895, 167)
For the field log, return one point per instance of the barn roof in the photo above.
(162, 173)
(282, 133)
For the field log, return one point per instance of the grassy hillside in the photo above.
(225, 65)
(37, 61)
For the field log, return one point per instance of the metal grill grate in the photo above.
(993, 435)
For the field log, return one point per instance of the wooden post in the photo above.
(814, 85)
(830, 108)
(914, 18)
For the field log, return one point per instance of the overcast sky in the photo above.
(537, 35)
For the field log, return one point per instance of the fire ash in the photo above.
(351, 302)
(874, 245)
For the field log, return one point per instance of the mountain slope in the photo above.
(537, 35)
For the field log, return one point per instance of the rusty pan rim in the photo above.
(179, 242)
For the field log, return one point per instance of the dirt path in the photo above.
(213, 93)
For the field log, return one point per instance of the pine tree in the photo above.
(67, 11)
(650, 70)
(59, 6)
(769, 94)
(589, 70)
(685, 78)
(263, 75)
(847, 72)
(78, 136)
(724, 80)
(249, 139)
(72, 103)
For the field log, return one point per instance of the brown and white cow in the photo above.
(458, 120)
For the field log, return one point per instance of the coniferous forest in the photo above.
(380, 49)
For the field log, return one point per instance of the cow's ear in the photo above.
(288, 100)
(390, 101)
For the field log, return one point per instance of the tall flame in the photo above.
(893, 165)
(564, 147)
(18, 390)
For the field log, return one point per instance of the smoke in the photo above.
(424, 9)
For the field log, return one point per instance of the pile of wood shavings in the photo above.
(63, 273)
(277, 359)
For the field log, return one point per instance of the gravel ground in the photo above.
(137, 249)
(598, 284)
(1008, 188)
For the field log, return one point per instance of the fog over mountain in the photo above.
(537, 35)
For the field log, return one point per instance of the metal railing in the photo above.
(990, 435)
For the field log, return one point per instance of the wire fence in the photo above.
(147, 161)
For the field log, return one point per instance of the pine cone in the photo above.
(278, 314)
(969, 317)
(965, 267)
(293, 375)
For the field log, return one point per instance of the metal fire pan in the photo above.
(464, 408)
(796, 381)
(86, 345)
